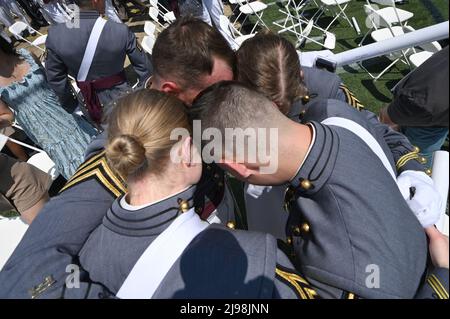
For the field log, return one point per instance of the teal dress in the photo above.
(63, 136)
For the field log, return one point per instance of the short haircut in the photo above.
(232, 105)
(270, 64)
(185, 52)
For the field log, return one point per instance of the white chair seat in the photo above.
(385, 33)
(170, 17)
(333, 2)
(239, 40)
(253, 7)
(418, 58)
(44, 163)
(11, 233)
(389, 14)
(147, 44)
(149, 28)
(40, 40)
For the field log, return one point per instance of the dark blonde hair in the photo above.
(139, 129)
(270, 64)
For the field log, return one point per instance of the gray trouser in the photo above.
(212, 10)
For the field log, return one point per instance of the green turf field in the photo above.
(373, 95)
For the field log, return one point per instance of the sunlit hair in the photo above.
(139, 129)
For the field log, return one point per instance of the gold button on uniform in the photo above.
(184, 206)
(306, 99)
(429, 172)
(231, 225)
(306, 228)
(423, 160)
(416, 149)
(305, 184)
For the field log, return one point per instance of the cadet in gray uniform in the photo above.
(347, 217)
(56, 237)
(139, 131)
(295, 92)
(66, 47)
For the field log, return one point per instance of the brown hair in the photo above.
(270, 64)
(185, 51)
(139, 129)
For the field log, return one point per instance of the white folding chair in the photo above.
(337, 7)
(149, 28)
(382, 34)
(302, 27)
(391, 16)
(147, 43)
(254, 8)
(238, 37)
(420, 57)
(167, 15)
(39, 160)
(18, 27)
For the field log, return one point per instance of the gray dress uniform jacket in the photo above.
(66, 45)
(347, 216)
(38, 266)
(258, 269)
(322, 84)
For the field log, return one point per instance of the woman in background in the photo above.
(23, 88)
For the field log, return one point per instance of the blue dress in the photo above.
(63, 136)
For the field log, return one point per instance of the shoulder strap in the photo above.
(90, 49)
(364, 135)
(154, 264)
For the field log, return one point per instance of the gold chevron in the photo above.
(298, 283)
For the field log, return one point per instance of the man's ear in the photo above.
(170, 88)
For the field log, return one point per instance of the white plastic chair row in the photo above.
(297, 24)
(157, 10)
(389, 32)
(253, 8)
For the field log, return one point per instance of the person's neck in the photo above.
(295, 145)
(149, 190)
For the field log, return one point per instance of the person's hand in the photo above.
(386, 119)
(439, 249)
(421, 196)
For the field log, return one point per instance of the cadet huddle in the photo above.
(139, 225)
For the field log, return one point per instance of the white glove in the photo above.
(426, 201)
(256, 191)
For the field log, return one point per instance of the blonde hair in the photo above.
(139, 132)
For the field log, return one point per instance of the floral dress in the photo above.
(63, 136)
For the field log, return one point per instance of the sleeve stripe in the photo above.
(437, 284)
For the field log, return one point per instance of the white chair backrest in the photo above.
(153, 12)
(376, 19)
(44, 163)
(18, 27)
(225, 25)
(384, 2)
(3, 140)
(307, 30)
(154, 3)
(431, 47)
(149, 28)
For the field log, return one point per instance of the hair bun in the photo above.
(126, 154)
